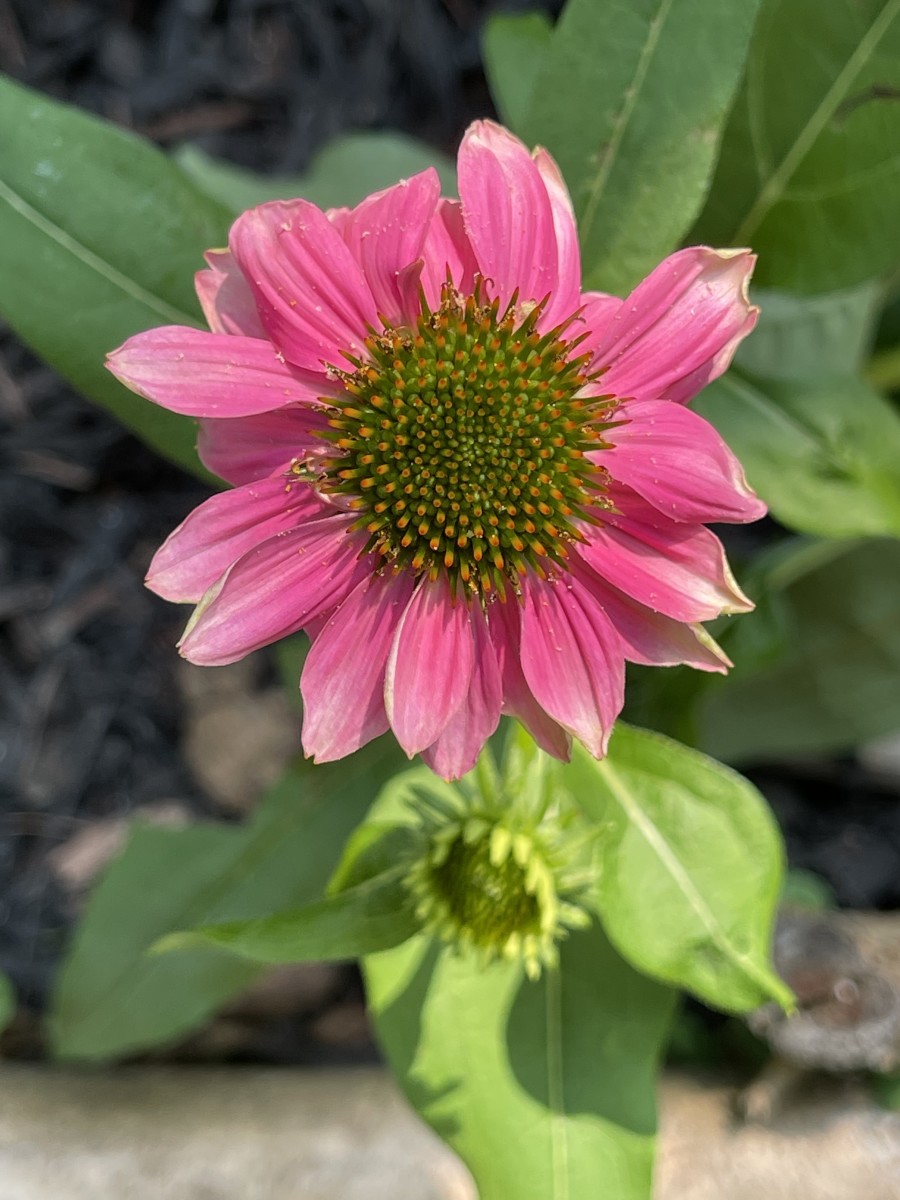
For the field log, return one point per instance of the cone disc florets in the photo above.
(497, 881)
(463, 443)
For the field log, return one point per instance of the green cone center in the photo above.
(463, 444)
(489, 901)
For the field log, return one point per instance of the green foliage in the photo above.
(809, 174)
(7, 1001)
(100, 236)
(689, 867)
(373, 915)
(818, 336)
(545, 1089)
(113, 998)
(831, 681)
(514, 45)
(345, 172)
(619, 103)
(823, 454)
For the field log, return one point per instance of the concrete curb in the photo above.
(143, 1133)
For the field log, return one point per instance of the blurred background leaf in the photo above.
(7, 1002)
(823, 454)
(514, 47)
(343, 173)
(809, 173)
(112, 997)
(835, 683)
(100, 236)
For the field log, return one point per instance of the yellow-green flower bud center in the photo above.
(488, 899)
(463, 444)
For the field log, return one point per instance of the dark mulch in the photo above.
(89, 714)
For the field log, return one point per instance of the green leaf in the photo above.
(630, 100)
(113, 998)
(345, 172)
(546, 1089)
(809, 173)
(822, 454)
(801, 336)
(835, 685)
(100, 236)
(7, 1001)
(690, 864)
(371, 916)
(514, 45)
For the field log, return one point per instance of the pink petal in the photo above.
(678, 462)
(568, 284)
(225, 527)
(597, 312)
(447, 249)
(275, 590)
(514, 211)
(225, 297)
(518, 699)
(386, 233)
(241, 449)
(573, 660)
(208, 374)
(430, 665)
(460, 742)
(648, 637)
(671, 567)
(311, 293)
(343, 676)
(679, 328)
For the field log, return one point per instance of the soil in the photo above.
(91, 711)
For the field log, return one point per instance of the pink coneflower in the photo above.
(474, 485)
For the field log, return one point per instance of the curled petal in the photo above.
(678, 462)
(225, 296)
(343, 676)
(597, 310)
(572, 659)
(456, 749)
(518, 221)
(672, 567)
(430, 665)
(241, 449)
(225, 527)
(447, 250)
(386, 233)
(504, 620)
(679, 329)
(568, 254)
(208, 374)
(311, 293)
(274, 590)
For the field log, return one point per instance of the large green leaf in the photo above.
(801, 336)
(631, 99)
(809, 173)
(373, 915)
(7, 1002)
(346, 171)
(690, 866)
(545, 1089)
(835, 682)
(114, 998)
(100, 236)
(823, 454)
(514, 45)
